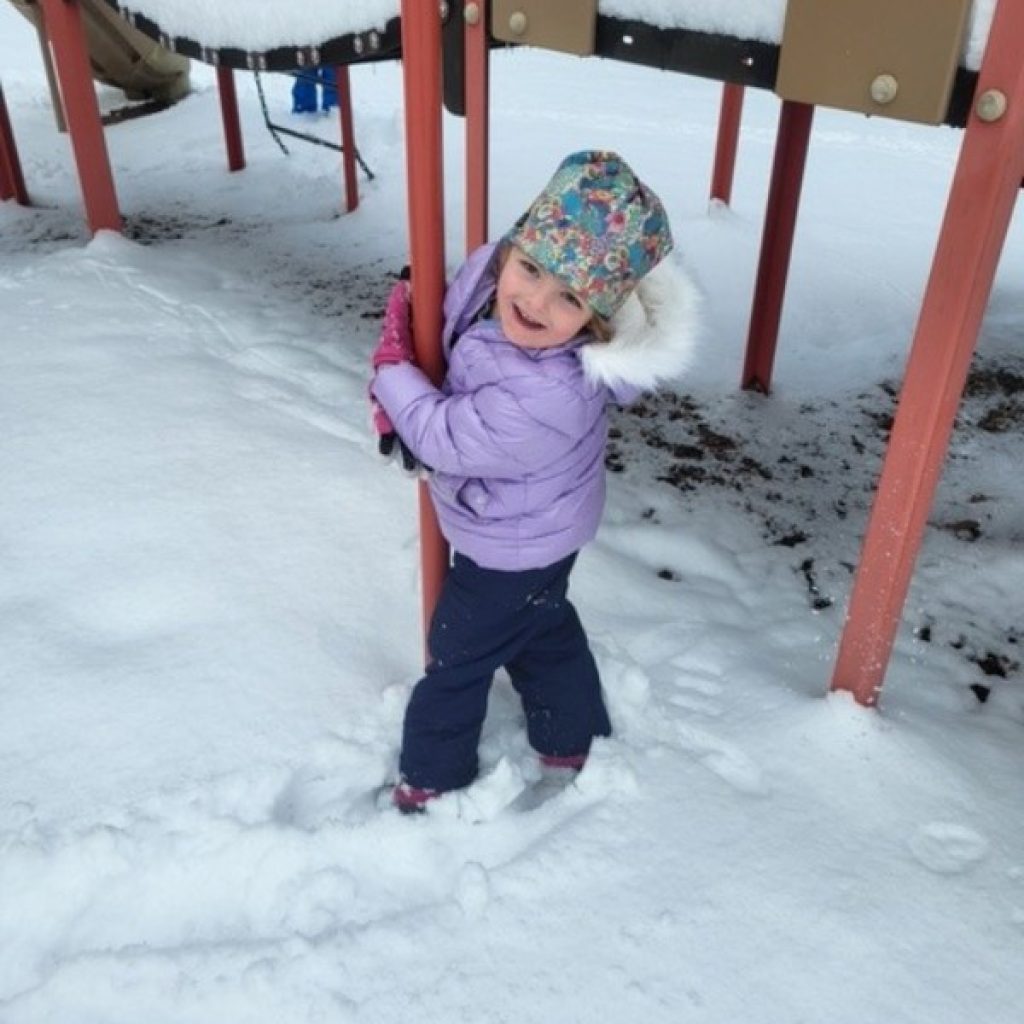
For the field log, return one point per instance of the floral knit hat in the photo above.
(596, 227)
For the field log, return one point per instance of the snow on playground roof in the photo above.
(259, 25)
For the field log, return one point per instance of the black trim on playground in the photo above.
(704, 54)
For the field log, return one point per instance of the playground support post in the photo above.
(981, 201)
(477, 86)
(64, 29)
(421, 66)
(51, 77)
(12, 182)
(729, 116)
(348, 136)
(229, 116)
(791, 146)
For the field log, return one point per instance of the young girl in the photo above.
(541, 331)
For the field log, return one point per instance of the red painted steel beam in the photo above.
(791, 146)
(729, 116)
(477, 86)
(229, 116)
(978, 212)
(421, 72)
(348, 137)
(12, 182)
(64, 29)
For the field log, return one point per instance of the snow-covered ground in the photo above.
(209, 617)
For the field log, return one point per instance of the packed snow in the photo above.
(264, 24)
(209, 611)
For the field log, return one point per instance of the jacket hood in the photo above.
(654, 334)
(469, 292)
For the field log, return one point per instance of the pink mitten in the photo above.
(395, 343)
(394, 346)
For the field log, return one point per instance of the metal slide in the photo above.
(124, 57)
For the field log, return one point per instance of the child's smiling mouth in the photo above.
(525, 320)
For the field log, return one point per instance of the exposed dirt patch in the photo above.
(807, 476)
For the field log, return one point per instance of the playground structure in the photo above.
(119, 55)
(837, 61)
(122, 47)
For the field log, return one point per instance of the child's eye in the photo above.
(572, 300)
(531, 268)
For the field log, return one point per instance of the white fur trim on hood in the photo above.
(654, 334)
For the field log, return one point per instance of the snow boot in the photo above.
(411, 799)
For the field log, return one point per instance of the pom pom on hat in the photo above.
(596, 227)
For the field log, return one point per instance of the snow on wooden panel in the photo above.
(760, 20)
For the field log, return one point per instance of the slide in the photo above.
(124, 57)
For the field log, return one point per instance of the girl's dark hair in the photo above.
(600, 329)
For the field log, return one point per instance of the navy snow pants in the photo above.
(485, 619)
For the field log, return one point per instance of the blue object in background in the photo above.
(304, 90)
(330, 83)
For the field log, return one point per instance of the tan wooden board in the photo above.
(566, 25)
(853, 54)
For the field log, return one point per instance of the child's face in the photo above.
(535, 309)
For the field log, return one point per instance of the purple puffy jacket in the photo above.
(516, 437)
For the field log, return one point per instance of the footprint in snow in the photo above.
(946, 848)
(724, 759)
(698, 704)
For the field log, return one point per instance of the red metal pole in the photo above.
(477, 85)
(728, 138)
(421, 64)
(348, 137)
(64, 29)
(978, 212)
(229, 115)
(12, 182)
(777, 243)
